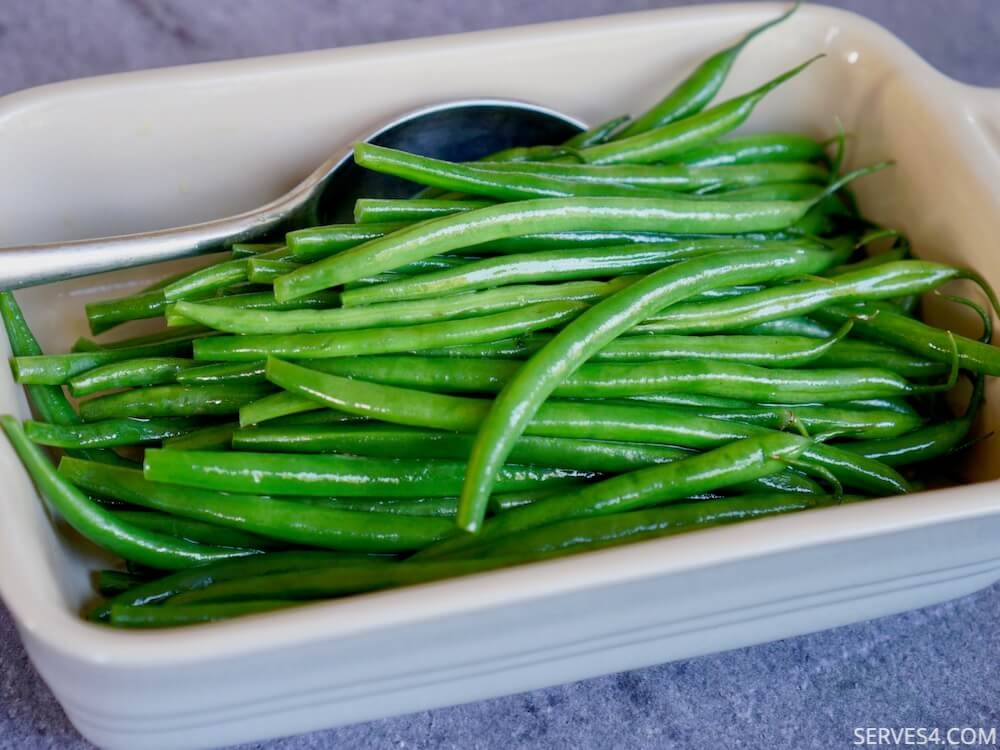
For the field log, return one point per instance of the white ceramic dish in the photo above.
(154, 149)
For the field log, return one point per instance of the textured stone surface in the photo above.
(933, 667)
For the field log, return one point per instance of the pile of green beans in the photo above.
(654, 328)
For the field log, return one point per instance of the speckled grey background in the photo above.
(936, 667)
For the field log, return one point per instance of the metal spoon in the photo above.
(458, 131)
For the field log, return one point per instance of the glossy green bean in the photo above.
(161, 589)
(98, 524)
(193, 531)
(914, 336)
(332, 475)
(255, 301)
(436, 507)
(113, 582)
(846, 353)
(674, 138)
(330, 581)
(249, 249)
(389, 441)
(580, 339)
(675, 177)
(129, 373)
(266, 270)
(320, 242)
(596, 532)
(386, 340)
(694, 93)
(480, 178)
(540, 215)
(206, 280)
(285, 520)
(622, 421)
(883, 282)
(108, 433)
(57, 369)
(555, 265)
(739, 461)
(172, 401)
(930, 442)
(214, 437)
(706, 377)
(490, 301)
(106, 314)
(755, 148)
(380, 210)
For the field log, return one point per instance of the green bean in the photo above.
(331, 581)
(755, 148)
(796, 325)
(599, 133)
(285, 520)
(99, 525)
(320, 242)
(266, 270)
(674, 177)
(129, 373)
(596, 532)
(172, 401)
(249, 249)
(882, 282)
(626, 421)
(593, 330)
(171, 617)
(114, 582)
(437, 507)
(482, 179)
(930, 442)
(223, 372)
(161, 589)
(674, 138)
(108, 433)
(821, 422)
(515, 297)
(206, 280)
(106, 314)
(617, 380)
(694, 93)
(387, 340)
(775, 191)
(379, 210)
(389, 441)
(56, 369)
(555, 265)
(543, 215)
(917, 337)
(739, 461)
(214, 437)
(846, 353)
(256, 301)
(193, 531)
(273, 406)
(325, 475)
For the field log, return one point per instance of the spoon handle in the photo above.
(29, 265)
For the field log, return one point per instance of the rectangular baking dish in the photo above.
(166, 147)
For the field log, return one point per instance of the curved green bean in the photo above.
(99, 525)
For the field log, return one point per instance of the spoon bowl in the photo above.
(462, 130)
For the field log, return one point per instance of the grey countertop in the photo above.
(934, 667)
